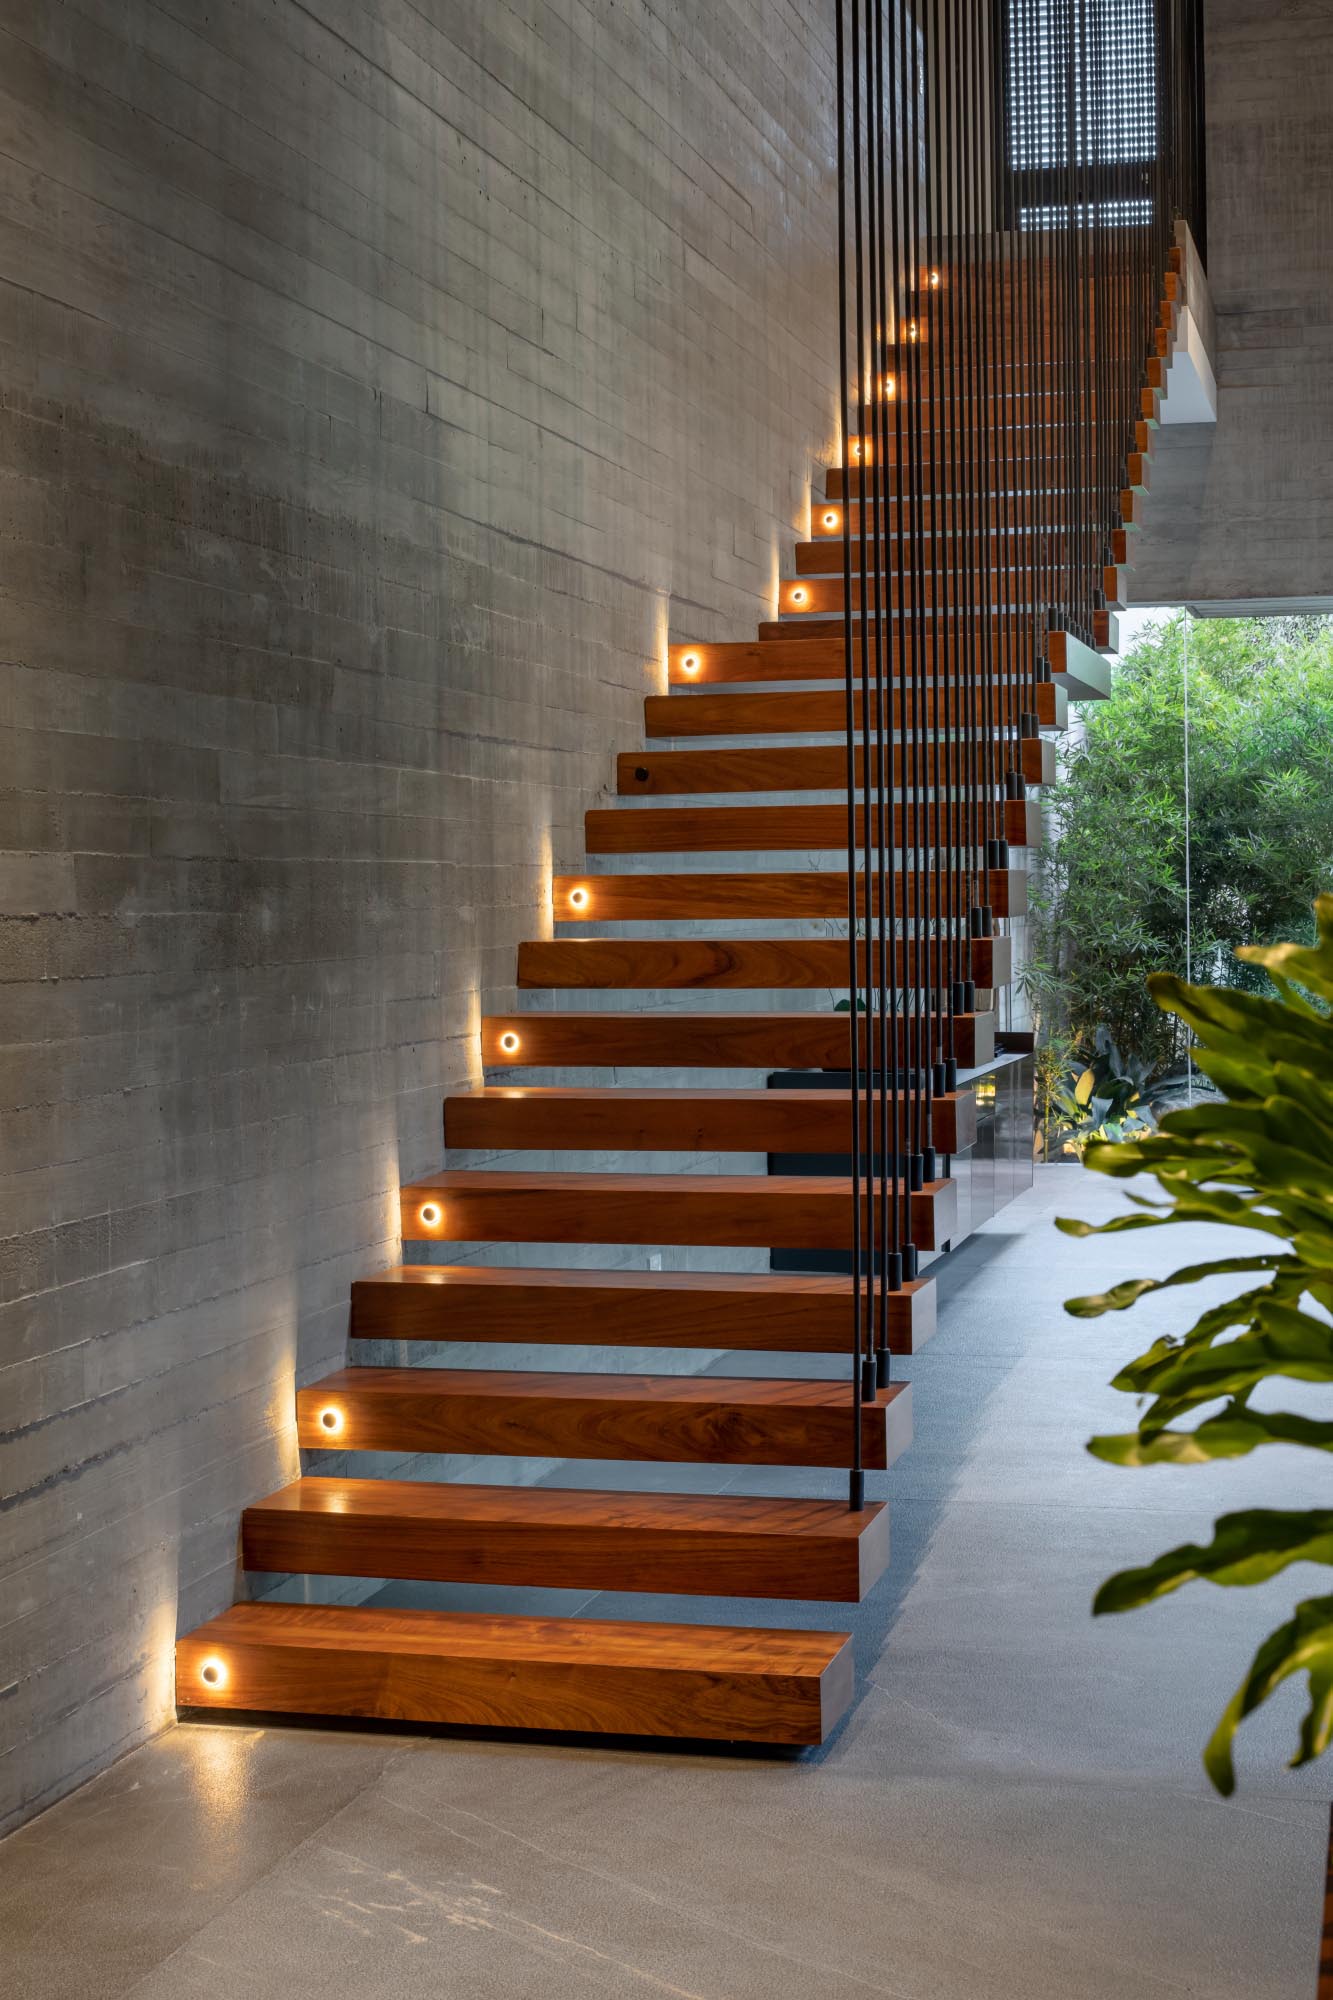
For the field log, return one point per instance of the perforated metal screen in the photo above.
(1097, 111)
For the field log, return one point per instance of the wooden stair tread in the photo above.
(696, 664)
(821, 591)
(750, 964)
(1017, 624)
(754, 829)
(763, 1211)
(661, 1419)
(562, 1537)
(818, 711)
(763, 1311)
(634, 1119)
(761, 893)
(798, 768)
(776, 1040)
(500, 1671)
(491, 1634)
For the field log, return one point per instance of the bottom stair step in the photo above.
(692, 1544)
(468, 1668)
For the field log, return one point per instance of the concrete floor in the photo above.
(1013, 1811)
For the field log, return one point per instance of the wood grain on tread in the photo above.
(765, 893)
(993, 513)
(624, 1119)
(822, 593)
(484, 1670)
(1008, 474)
(759, 1312)
(693, 1544)
(774, 1040)
(756, 829)
(751, 964)
(818, 711)
(801, 768)
(720, 663)
(655, 1419)
(790, 627)
(823, 588)
(761, 1211)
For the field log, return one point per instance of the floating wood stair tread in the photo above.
(626, 964)
(799, 768)
(761, 1312)
(811, 597)
(657, 1419)
(820, 588)
(738, 663)
(777, 893)
(789, 1211)
(806, 1040)
(482, 1670)
(759, 829)
(551, 1118)
(790, 626)
(1007, 473)
(820, 712)
(691, 1544)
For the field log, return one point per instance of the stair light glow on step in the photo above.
(831, 517)
(799, 595)
(431, 1214)
(690, 663)
(213, 1672)
(578, 899)
(509, 1042)
(331, 1419)
(934, 281)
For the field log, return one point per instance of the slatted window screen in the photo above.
(1107, 117)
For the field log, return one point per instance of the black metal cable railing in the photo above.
(1010, 178)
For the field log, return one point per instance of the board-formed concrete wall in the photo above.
(1241, 513)
(380, 381)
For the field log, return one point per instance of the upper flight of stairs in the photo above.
(755, 1681)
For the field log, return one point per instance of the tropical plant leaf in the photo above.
(1131, 1290)
(1246, 1548)
(1258, 1155)
(1233, 1433)
(1304, 1645)
(1280, 1341)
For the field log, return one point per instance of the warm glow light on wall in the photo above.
(431, 1214)
(213, 1672)
(331, 1420)
(690, 663)
(509, 1042)
(934, 281)
(578, 899)
(911, 331)
(799, 595)
(890, 388)
(831, 517)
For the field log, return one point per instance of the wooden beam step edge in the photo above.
(652, 1419)
(482, 1670)
(684, 1544)
(756, 1312)
(761, 1211)
(556, 1118)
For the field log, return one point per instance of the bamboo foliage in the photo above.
(1257, 1156)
